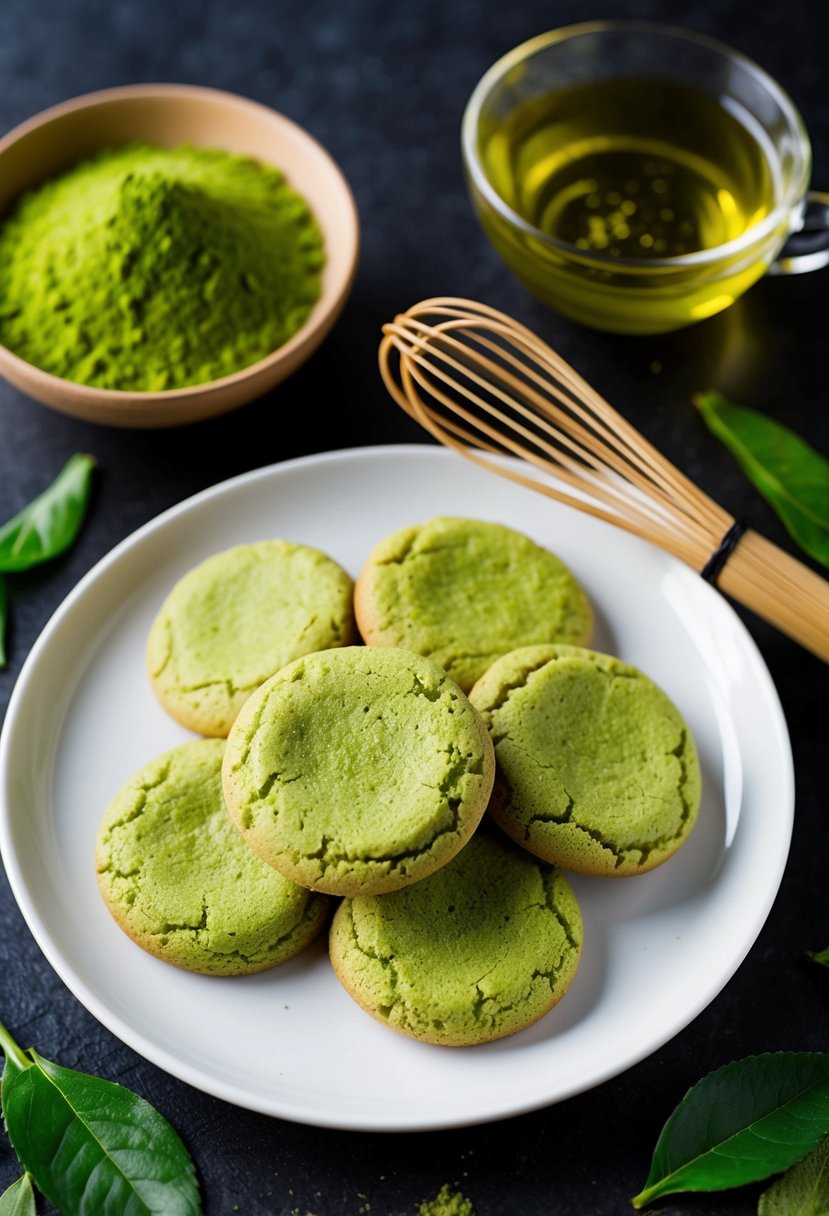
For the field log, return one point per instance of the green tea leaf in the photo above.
(803, 1191)
(93, 1146)
(50, 523)
(4, 608)
(19, 1199)
(790, 474)
(820, 956)
(742, 1123)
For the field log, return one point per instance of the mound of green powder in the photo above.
(446, 1203)
(149, 268)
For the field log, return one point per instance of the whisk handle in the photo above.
(780, 589)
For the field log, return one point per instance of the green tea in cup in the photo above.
(636, 178)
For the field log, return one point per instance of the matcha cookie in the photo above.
(234, 620)
(358, 771)
(464, 592)
(478, 951)
(179, 879)
(597, 771)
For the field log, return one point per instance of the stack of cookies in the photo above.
(364, 772)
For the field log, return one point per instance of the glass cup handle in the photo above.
(808, 247)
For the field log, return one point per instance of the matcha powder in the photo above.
(446, 1203)
(147, 268)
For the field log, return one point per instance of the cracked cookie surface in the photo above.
(236, 619)
(181, 882)
(358, 770)
(464, 592)
(596, 768)
(476, 952)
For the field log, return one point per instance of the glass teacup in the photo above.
(639, 178)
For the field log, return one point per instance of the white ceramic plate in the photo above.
(290, 1042)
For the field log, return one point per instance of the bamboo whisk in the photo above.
(487, 386)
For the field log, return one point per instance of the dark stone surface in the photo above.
(383, 87)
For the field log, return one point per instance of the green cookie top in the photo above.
(464, 592)
(180, 880)
(234, 620)
(358, 770)
(597, 771)
(480, 950)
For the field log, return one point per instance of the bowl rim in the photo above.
(321, 321)
(781, 213)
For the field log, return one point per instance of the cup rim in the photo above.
(522, 52)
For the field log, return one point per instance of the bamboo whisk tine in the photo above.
(487, 386)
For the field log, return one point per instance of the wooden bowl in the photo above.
(169, 115)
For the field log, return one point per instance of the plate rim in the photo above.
(238, 1095)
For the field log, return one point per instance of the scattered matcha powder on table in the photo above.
(446, 1203)
(149, 268)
